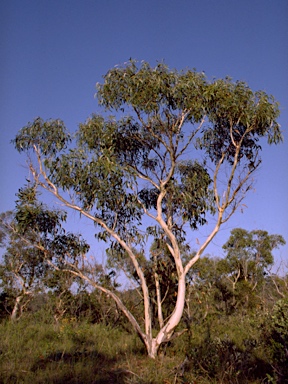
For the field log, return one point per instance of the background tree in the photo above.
(140, 163)
(22, 269)
(248, 258)
(35, 238)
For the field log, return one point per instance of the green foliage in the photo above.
(240, 282)
(35, 238)
(150, 89)
(222, 361)
(33, 215)
(39, 224)
(249, 255)
(92, 343)
(255, 248)
(229, 349)
(278, 340)
(73, 351)
(235, 109)
(51, 136)
(33, 352)
(22, 268)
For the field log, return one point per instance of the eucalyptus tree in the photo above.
(21, 268)
(34, 241)
(169, 149)
(249, 254)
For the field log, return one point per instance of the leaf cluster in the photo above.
(238, 116)
(50, 136)
(153, 90)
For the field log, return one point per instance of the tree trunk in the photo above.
(158, 295)
(17, 308)
(166, 332)
(152, 348)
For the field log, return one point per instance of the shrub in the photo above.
(278, 340)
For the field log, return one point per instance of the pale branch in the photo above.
(115, 222)
(191, 137)
(231, 133)
(159, 107)
(78, 273)
(231, 177)
(164, 168)
(159, 301)
(205, 244)
(277, 288)
(129, 278)
(234, 196)
(169, 233)
(229, 198)
(215, 177)
(144, 177)
(54, 190)
(147, 126)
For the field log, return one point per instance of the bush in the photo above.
(229, 350)
(278, 340)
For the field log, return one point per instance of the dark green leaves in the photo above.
(49, 136)
(238, 117)
(33, 215)
(153, 90)
(42, 228)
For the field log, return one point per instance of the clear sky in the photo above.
(54, 51)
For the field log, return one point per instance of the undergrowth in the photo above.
(79, 352)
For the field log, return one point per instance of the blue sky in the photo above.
(54, 52)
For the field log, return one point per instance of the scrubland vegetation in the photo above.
(227, 341)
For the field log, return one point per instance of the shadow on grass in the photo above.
(79, 367)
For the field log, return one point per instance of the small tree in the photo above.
(243, 276)
(22, 269)
(248, 257)
(135, 174)
(34, 240)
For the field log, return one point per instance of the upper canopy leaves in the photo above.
(153, 90)
(238, 116)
